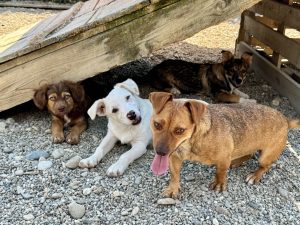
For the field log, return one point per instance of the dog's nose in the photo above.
(239, 80)
(161, 153)
(61, 109)
(131, 115)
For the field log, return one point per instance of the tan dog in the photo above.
(216, 134)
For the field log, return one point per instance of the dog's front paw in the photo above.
(89, 162)
(58, 138)
(116, 169)
(72, 139)
(244, 100)
(252, 178)
(171, 191)
(175, 91)
(217, 186)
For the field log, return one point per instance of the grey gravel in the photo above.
(46, 194)
(166, 201)
(2, 126)
(28, 217)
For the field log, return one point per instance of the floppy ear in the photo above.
(226, 56)
(77, 91)
(247, 58)
(159, 99)
(129, 85)
(196, 109)
(98, 108)
(40, 97)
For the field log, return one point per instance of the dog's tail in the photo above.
(294, 123)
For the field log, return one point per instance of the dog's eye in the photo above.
(67, 96)
(52, 98)
(114, 110)
(179, 131)
(127, 97)
(157, 126)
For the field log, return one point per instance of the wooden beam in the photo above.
(284, 84)
(80, 57)
(287, 47)
(280, 12)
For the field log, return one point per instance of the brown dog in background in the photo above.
(215, 134)
(67, 103)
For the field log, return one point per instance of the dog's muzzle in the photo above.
(137, 120)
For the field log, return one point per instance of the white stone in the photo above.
(86, 191)
(77, 211)
(19, 172)
(135, 211)
(58, 153)
(73, 162)
(10, 121)
(215, 221)
(44, 165)
(166, 201)
(2, 126)
(28, 217)
(118, 193)
(57, 195)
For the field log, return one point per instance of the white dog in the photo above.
(128, 121)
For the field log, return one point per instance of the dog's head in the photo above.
(172, 123)
(236, 69)
(60, 98)
(121, 104)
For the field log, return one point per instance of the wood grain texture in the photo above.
(284, 84)
(287, 47)
(125, 39)
(280, 12)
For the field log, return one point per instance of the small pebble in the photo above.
(125, 213)
(135, 211)
(44, 165)
(222, 210)
(189, 178)
(19, 172)
(10, 121)
(118, 193)
(7, 150)
(73, 162)
(283, 192)
(36, 155)
(77, 211)
(86, 191)
(28, 217)
(2, 126)
(276, 101)
(97, 190)
(58, 153)
(84, 174)
(48, 131)
(166, 201)
(56, 195)
(26, 195)
(215, 221)
(138, 180)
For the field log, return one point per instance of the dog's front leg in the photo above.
(57, 130)
(105, 146)
(79, 126)
(240, 93)
(136, 151)
(172, 190)
(219, 184)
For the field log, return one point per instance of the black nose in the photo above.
(131, 115)
(239, 80)
(61, 109)
(161, 153)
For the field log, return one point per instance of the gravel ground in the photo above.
(33, 192)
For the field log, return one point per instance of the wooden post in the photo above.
(276, 58)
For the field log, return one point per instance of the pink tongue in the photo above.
(160, 165)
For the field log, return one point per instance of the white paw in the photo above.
(116, 169)
(89, 162)
(243, 100)
(243, 95)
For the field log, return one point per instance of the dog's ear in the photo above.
(247, 58)
(226, 56)
(98, 108)
(77, 91)
(40, 97)
(159, 99)
(196, 109)
(129, 85)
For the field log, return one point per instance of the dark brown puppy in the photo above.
(215, 134)
(67, 103)
(220, 80)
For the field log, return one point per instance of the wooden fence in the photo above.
(276, 55)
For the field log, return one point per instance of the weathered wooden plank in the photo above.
(80, 57)
(287, 47)
(87, 7)
(280, 12)
(284, 84)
